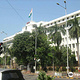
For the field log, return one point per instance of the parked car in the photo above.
(10, 74)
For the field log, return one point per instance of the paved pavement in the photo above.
(65, 79)
(30, 77)
(33, 76)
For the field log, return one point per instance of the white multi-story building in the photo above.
(60, 22)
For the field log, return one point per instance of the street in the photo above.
(34, 77)
(30, 77)
(65, 79)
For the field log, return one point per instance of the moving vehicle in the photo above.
(10, 74)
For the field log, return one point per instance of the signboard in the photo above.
(78, 69)
(67, 67)
(70, 74)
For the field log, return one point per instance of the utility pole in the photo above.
(66, 34)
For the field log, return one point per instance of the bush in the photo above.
(63, 68)
(57, 68)
(50, 68)
(49, 78)
(72, 69)
(42, 76)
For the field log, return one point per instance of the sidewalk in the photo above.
(75, 76)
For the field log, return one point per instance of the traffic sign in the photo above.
(70, 74)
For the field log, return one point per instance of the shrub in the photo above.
(49, 78)
(42, 76)
(57, 68)
(50, 68)
(73, 69)
(63, 68)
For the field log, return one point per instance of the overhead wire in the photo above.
(11, 8)
(15, 10)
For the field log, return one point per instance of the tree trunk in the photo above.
(78, 52)
(11, 63)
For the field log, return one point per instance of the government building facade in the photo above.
(66, 40)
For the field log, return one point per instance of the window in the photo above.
(69, 24)
(77, 15)
(54, 22)
(51, 23)
(70, 45)
(62, 19)
(47, 24)
(63, 39)
(73, 45)
(63, 25)
(72, 16)
(73, 52)
(12, 75)
(59, 21)
(67, 17)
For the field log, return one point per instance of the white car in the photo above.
(10, 74)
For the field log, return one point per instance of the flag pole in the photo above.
(32, 15)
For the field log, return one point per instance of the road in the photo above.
(34, 77)
(65, 79)
(30, 77)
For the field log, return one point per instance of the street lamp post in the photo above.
(66, 33)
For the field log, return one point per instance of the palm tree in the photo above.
(40, 29)
(74, 32)
(9, 50)
(37, 31)
(55, 33)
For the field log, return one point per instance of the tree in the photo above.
(44, 51)
(43, 48)
(6, 54)
(1, 61)
(23, 48)
(60, 57)
(39, 29)
(55, 33)
(43, 76)
(10, 52)
(74, 32)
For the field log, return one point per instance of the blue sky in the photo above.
(14, 13)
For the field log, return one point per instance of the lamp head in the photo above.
(57, 3)
(64, 1)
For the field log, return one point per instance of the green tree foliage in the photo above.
(10, 52)
(23, 48)
(43, 47)
(60, 57)
(74, 33)
(43, 76)
(55, 33)
(44, 51)
(1, 60)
